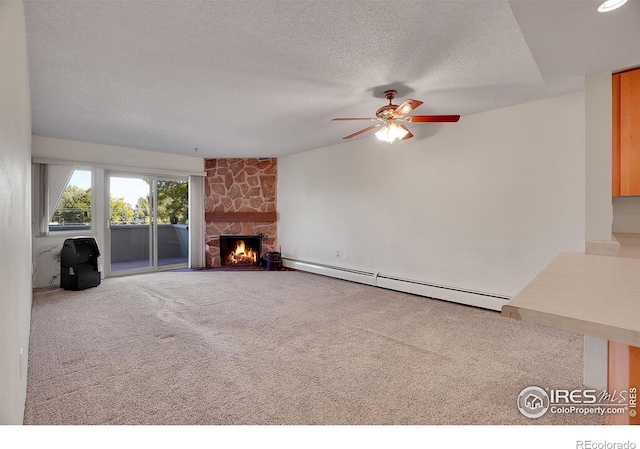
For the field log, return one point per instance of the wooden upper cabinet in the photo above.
(626, 133)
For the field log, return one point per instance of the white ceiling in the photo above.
(264, 78)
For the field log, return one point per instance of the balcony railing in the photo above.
(130, 245)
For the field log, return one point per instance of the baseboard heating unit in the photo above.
(416, 287)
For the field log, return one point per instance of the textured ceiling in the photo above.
(264, 78)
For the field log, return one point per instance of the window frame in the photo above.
(44, 211)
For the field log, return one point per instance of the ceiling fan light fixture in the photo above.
(610, 5)
(390, 132)
(390, 118)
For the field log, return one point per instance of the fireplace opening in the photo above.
(240, 250)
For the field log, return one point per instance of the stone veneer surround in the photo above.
(239, 185)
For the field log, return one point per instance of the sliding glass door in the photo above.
(148, 225)
(172, 218)
(130, 224)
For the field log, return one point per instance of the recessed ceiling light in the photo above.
(610, 5)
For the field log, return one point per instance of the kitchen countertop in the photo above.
(587, 294)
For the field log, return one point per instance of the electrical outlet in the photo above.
(337, 254)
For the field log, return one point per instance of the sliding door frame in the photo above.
(153, 226)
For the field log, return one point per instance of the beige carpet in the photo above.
(216, 347)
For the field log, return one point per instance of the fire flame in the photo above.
(242, 254)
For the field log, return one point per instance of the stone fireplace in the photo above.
(240, 202)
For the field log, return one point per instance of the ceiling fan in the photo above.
(391, 117)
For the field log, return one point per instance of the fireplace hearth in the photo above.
(240, 250)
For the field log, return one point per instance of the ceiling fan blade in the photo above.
(432, 118)
(406, 107)
(408, 135)
(361, 131)
(351, 118)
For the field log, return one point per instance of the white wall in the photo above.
(598, 131)
(483, 204)
(15, 199)
(107, 155)
(598, 204)
(104, 157)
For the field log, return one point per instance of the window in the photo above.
(69, 195)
